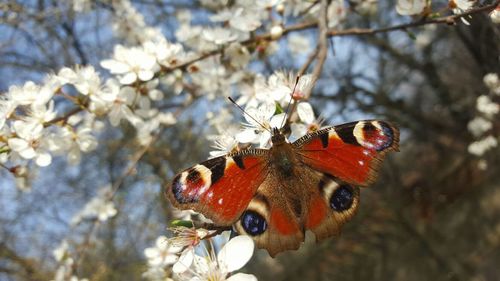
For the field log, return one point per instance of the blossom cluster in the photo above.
(422, 8)
(482, 125)
(178, 258)
(34, 129)
(65, 270)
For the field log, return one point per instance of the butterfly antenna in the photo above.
(246, 113)
(290, 101)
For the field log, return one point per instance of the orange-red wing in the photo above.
(351, 152)
(220, 188)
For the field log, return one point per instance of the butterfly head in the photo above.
(277, 137)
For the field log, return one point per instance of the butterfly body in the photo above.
(275, 195)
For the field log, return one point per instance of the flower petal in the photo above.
(248, 135)
(128, 78)
(242, 277)
(306, 113)
(264, 139)
(43, 159)
(236, 253)
(277, 121)
(184, 262)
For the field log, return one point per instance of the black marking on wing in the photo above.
(345, 132)
(217, 167)
(238, 159)
(369, 128)
(324, 139)
(193, 175)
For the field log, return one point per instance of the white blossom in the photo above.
(365, 7)
(7, 108)
(31, 94)
(461, 6)
(219, 35)
(281, 87)
(121, 109)
(156, 274)
(238, 55)
(166, 53)
(223, 15)
(129, 24)
(162, 254)
(233, 256)
(258, 131)
(299, 44)
(308, 122)
(267, 4)
(410, 7)
(81, 140)
(41, 113)
(253, 94)
(85, 79)
(29, 143)
(276, 32)
(224, 144)
(190, 35)
(481, 146)
(81, 5)
(495, 15)
(131, 64)
(336, 13)
(61, 252)
(246, 21)
(492, 82)
(100, 207)
(425, 36)
(485, 105)
(479, 125)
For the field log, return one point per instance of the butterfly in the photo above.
(275, 195)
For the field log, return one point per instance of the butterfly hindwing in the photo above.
(283, 209)
(272, 217)
(331, 205)
(351, 152)
(220, 188)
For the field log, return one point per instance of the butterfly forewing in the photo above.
(222, 187)
(351, 152)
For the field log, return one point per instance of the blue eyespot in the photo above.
(253, 223)
(342, 198)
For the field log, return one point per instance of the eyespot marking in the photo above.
(377, 135)
(253, 223)
(342, 198)
(179, 187)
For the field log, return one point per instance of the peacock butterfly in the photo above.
(274, 195)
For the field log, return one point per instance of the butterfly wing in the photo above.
(272, 218)
(222, 187)
(332, 203)
(351, 152)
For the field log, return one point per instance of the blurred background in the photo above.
(433, 214)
